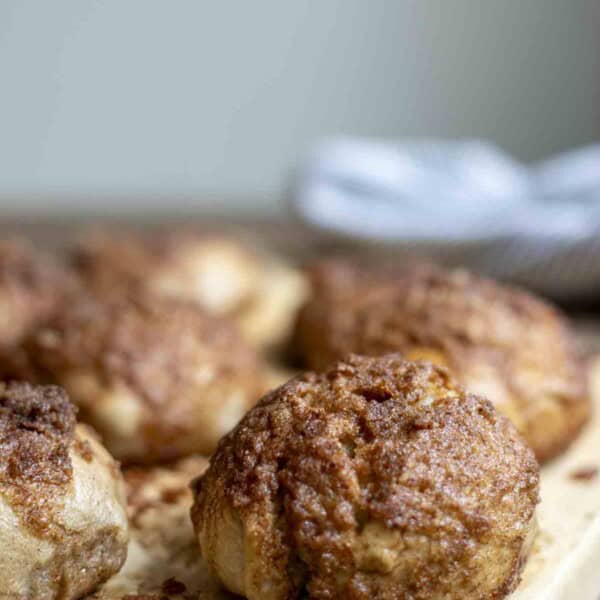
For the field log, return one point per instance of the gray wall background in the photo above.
(118, 105)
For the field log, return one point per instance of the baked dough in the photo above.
(63, 526)
(157, 378)
(221, 273)
(501, 342)
(31, 285)
(379, 478)
(216, 271)
(267, 321)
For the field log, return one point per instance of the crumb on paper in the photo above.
(172, 586)
(587, 473)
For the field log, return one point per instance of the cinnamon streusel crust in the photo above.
(158, 378)
(501, 342)
(215, 271)
(379, 478)
(63, 528)
(31, 286)
(220, 272)
(37, 430)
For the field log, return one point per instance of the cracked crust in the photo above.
(63, 527)
(500, 342)
(156, 377)
(378, 478)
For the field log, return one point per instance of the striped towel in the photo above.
(463, 203)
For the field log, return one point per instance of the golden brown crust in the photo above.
(173, 262)
(31, 285)
(223, 273)
(374, 452)
(63, 527)
(105, 259)
(37, 428)
(167, 358)
(138, 338)
(344, 277)
(480, 329)
(134, 249)
(569, 426)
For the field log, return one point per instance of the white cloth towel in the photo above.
(463, 203)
